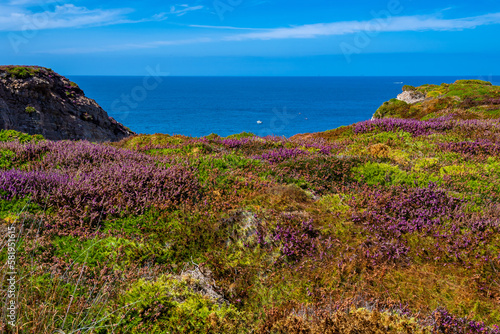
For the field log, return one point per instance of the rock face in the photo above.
(411, 97)
(36, 100)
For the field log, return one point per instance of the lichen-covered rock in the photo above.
(411, 97)
(36, 100)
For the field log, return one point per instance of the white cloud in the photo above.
(394, 24)
(17, 17)
(184, 9)
(65, 16)
(32, 2)
(223, 27)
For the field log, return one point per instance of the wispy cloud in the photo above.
(394, 24)
(32, 2)
(18, 17)
(122, 47)
(180, 10)
(65, 16)
(223, 27)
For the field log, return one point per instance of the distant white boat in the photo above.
(398, 83)
(259, 122)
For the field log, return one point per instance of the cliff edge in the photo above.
(463, 99)
(36, 100)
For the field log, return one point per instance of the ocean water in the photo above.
(283, 106)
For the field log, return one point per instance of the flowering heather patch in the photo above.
(426, 212)
(413, 126)
(114, 188)
(235, 143)
(296, 241)
(281, 154)
(478, 147)
(425, 128)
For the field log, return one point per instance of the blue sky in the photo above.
(253, 37)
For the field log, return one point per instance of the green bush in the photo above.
(386, 175)
(6, 157)
(12, 135)
(392, 108)
(171, 305)
(241, 135)
(30, 109)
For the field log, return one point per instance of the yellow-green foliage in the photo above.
(142, 141)
(241, 135)
(385, 174)
(334, 203)
(392, 108)
(30, 109)
(171, 305)
(434, 93)
(12, 135)
(424, 164)
(6, 157)
(22, 72)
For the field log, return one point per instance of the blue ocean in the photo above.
(282, 106)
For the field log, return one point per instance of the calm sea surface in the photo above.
(284, 106)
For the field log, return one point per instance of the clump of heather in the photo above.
(296, 241)
(391, 217)
(474, 148)
(425, 128)
(445, 322)
(281, 154)
(113, 188)
(413, 126)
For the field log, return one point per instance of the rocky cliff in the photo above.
(36, 100)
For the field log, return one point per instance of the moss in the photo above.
(22, 72)
(473, 82)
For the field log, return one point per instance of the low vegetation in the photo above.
(466, 99)
(385, 226)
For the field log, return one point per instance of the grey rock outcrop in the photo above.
(411, 96)
(36, 100)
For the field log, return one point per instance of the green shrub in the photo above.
(392, 108)
(12, 135)
(241, 135)
(386, 175)
(6, 157)
(30, 109)
(170, 305)
(333, 203)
